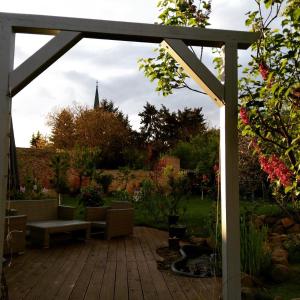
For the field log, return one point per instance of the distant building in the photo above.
(96, 102)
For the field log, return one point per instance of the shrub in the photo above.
(178, 185)
(122, 195)
(151, 205)
(91, 196)
(104, 180)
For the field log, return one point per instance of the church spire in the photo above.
(96, 102)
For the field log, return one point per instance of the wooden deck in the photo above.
(121, 269)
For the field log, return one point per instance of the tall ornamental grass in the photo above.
(254, 255)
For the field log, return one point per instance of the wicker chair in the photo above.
(15, 234)
(112, 221)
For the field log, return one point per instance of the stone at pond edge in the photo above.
(280, 256)
(278, 229)
(269, 220)
(277, 239)
(294, 229)
(198, 241)
(292, 245)
(287, 222)
(279, 273)
(250, 281)
(211, 242)
(248, 293)
(247, 281)
(259, 221)
(254, 294)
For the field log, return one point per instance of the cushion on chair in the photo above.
(98, 224)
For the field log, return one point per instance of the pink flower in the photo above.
(276, 169)
(263, 70)
(244, 116)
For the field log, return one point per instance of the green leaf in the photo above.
(288, 189)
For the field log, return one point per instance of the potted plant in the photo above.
(90, 196)
(177, 192)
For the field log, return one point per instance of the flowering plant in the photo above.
(270, 98)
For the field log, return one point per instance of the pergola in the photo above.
(69, 31)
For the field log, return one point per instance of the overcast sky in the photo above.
(114, 64)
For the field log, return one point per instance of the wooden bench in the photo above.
(46, 217)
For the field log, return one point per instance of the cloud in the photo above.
(113, 63)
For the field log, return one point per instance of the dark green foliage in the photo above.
(162, 129)
(125, 176)
(292, 244)
(151, 206)
(122, 195)
(104, 180)
(90, 196)
(59, 165)
(177, 193)
(109, 106)
(167, 128)
(201, 152)
(163, 68)
(200, 155)
(84, 162)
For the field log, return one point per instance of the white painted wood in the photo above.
(126, 31)
(230, 212)
(42, 59)
(7, 43)
(142, 33)
(195, 69)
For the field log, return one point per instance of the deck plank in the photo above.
(149, 291)
(47, 281)
(69, 284)
(121, 284)
(118, 269)
(82, 283)
(157, 277)
(134, 282)
(93, 291)
(108, 285)
(34, 272)
(58, 279)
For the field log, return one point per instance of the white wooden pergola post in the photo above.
(230, 212)
(7, 44)
(226, 97)
(68, 31)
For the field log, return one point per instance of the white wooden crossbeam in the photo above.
(195, 69)
(127, 31)
(42, 59)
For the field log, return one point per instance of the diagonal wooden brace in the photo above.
(42, 59)
(195, 69)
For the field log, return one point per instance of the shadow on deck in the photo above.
(118, 269)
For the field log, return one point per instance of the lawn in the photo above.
(197, 216)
